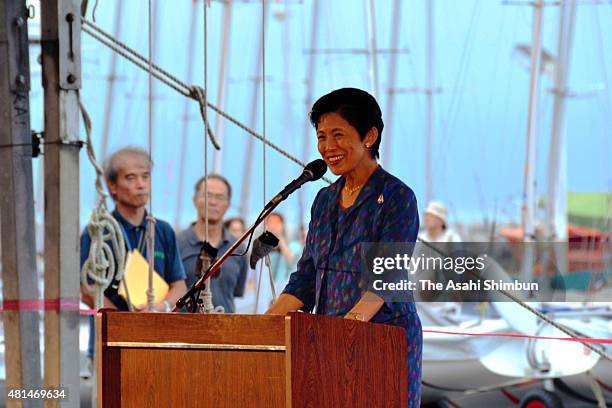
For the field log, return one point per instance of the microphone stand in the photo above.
(199, 284)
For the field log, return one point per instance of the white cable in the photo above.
(205, 115)
(150, 219)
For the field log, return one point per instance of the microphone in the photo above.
(313, 171)
(206, 257)
(262, 246)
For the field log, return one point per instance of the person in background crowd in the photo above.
(283, 261)
(235, 226)
(436, 228)
(215, 193)
(128, 178)
(284, 258)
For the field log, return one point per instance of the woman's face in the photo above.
(340, 145)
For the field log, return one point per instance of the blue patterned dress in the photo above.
(329, 272)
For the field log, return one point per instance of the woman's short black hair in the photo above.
(357, 107)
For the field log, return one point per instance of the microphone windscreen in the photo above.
(268, 238)
(317, 168)
(262, 246)
(206, 251)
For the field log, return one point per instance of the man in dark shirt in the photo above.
(231, 282)
(128, 178)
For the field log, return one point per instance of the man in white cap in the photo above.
(436, 229)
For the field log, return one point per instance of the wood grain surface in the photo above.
(346, 363)
(195, 328)
(202, 378)
(328, 362)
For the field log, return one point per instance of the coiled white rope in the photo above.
(105, 262)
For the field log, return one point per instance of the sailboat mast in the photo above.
(556, 203)
(371, 41)
(528, 218)
(221, 91)
(110, 86)
(429, 134)
(310, 77)
(248, 153)
(185, 128)
(395, 24)
(529, 186)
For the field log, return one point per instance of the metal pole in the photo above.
(221, 93)
(61, 56)
(287, 77)
(185, 130)
(110, 86)
(19, 276)
(429, 102)
(309, 80)
(248, 154)
(555, 227)
(395, 24)
(529, 187)
(371, 41)
(556, 205)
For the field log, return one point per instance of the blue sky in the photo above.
(480, 116)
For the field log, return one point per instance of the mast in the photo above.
(287, 112)
(110, 86)
(529, 186)
(310, 77)
(248, 153)
(371, 46)
(556, 203)
(395, 24)
(185, 128)
(429, 134)
(221, 91)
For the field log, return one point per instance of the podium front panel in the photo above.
(222, 361)
(191, 360)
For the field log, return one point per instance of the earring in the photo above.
(367, 146)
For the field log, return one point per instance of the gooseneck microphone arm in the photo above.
(313, 171)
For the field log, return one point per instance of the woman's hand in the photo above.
(284, 304)
(366, 308)
(159, 307)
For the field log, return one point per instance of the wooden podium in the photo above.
(235, 361)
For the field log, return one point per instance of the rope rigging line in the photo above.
(104, 263)
(179, 86)
(199, 94)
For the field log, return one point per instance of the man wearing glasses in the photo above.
(215, 191)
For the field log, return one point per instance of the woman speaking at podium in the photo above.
(365, 204)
